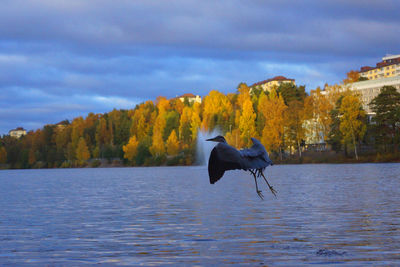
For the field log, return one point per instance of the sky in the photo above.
(60, 59)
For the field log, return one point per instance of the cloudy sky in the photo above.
(64, 58)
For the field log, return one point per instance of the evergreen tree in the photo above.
(387, 119)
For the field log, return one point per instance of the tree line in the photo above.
(165, 131)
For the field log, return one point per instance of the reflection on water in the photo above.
(160, 216)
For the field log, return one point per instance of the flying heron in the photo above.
(224, 157)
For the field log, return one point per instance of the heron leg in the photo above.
(258, 191)
(270, 187)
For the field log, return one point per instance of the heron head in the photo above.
(218, 138)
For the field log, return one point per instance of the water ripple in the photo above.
(324, 214)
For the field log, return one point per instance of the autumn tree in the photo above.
(172, 144)
(352, 121)
(158, 148)
(130, 149)
(3, 155)
(31, 157)
(317, 108)
(171, 123)
(185, 133)
(195, 121)
(82, 151)
(294, 117)
(352, 76)
(216, 112)
(243, 94)
(141, 120)
(272, 108)
(233, 138)
(247, 122)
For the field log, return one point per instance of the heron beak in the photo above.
(211, 139)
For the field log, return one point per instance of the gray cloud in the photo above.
(60, 59)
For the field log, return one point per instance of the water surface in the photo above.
(324, 214)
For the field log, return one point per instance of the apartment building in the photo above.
(388, 67)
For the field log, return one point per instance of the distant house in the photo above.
(190, 97)
(267, 85)
(17, 133)
(62, 124)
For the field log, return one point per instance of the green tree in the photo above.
(387, 119)
(171, 123)
(291, 92)
(335, 136)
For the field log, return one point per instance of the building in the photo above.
(190, 97)
(267, 85)
(368, 90)
(17, 133)
(388, 67)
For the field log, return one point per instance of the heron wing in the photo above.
(223, 157)
(255, 157)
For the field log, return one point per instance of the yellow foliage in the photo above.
(317, 108)
(162, 104)
(233, 138)
(195, 125)
(244, 94)
(158, 148)
(215, 103)
(247, 122)
(82, 151)
(184, 122)
(272, 108)
(352, 76)
(352, 121)
(172, 144)
(130, 149)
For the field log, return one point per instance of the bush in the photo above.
(96, 163)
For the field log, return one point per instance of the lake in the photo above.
(323, 214)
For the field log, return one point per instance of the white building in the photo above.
(190, 97)
(17, 133)
(368, 90)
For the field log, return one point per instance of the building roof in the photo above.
(188, 95)
(18, 129)
(276, 78)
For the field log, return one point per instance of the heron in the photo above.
(225, 157)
